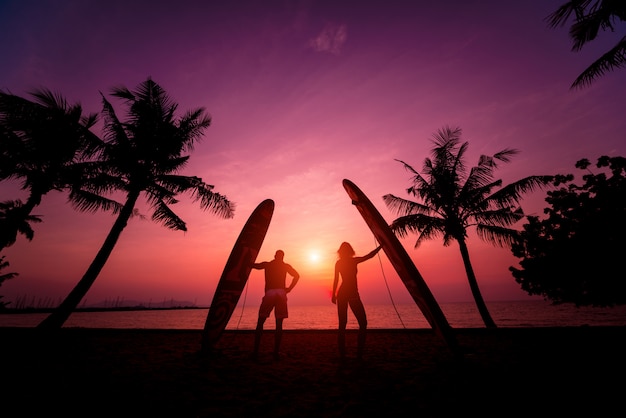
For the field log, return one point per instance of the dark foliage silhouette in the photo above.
(575, 254)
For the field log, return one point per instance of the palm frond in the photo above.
(512, 193)
(402, 206)
(50, 99)
(93, 146)
(192, 126)
(123, 93)
(476, 200)
(103, 183)
(172, 165)
(459, 163)
(504, 155)
(176, 183)
(14, 219)
(447, 153)
(422, 188)
(479, 177)
(157, 192)
(164, 215)
(85, 201)
(416, 175)
(612, 60)
(214, 202)
(26, 230)
(89, 120)
(427, 227)
(590, 17)
(114, 131)
(5, 276)
(563, 13)
(497, 235)
(499, 217)
(445, 140)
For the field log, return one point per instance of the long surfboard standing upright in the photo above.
(236, 273)
(404, 266)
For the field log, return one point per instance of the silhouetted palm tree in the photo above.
(4, 276)
(46, 144)
(454, 199)
(142, 156)
(14, 221)
(591, 16)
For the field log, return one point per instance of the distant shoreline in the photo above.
(97, 309)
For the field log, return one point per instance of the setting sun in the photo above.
(328, 93)
(314, 257)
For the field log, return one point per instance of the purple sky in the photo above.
(304, 94)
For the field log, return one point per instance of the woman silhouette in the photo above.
(348, 294)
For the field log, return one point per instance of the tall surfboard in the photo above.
(236, 273)
(403, 265)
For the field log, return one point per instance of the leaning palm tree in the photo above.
(591, 16)
(142, 155)
(45, 143)
(454, 199)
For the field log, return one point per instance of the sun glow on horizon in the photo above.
(314, 257)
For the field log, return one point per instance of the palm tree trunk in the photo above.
(471, 278)
(58, 317)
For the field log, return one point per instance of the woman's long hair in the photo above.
(345, 250)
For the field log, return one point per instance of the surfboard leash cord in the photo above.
(380, 262)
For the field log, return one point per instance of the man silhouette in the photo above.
(275, 298)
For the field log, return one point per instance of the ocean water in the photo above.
(459, 315)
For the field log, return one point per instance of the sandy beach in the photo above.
(503, 372)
